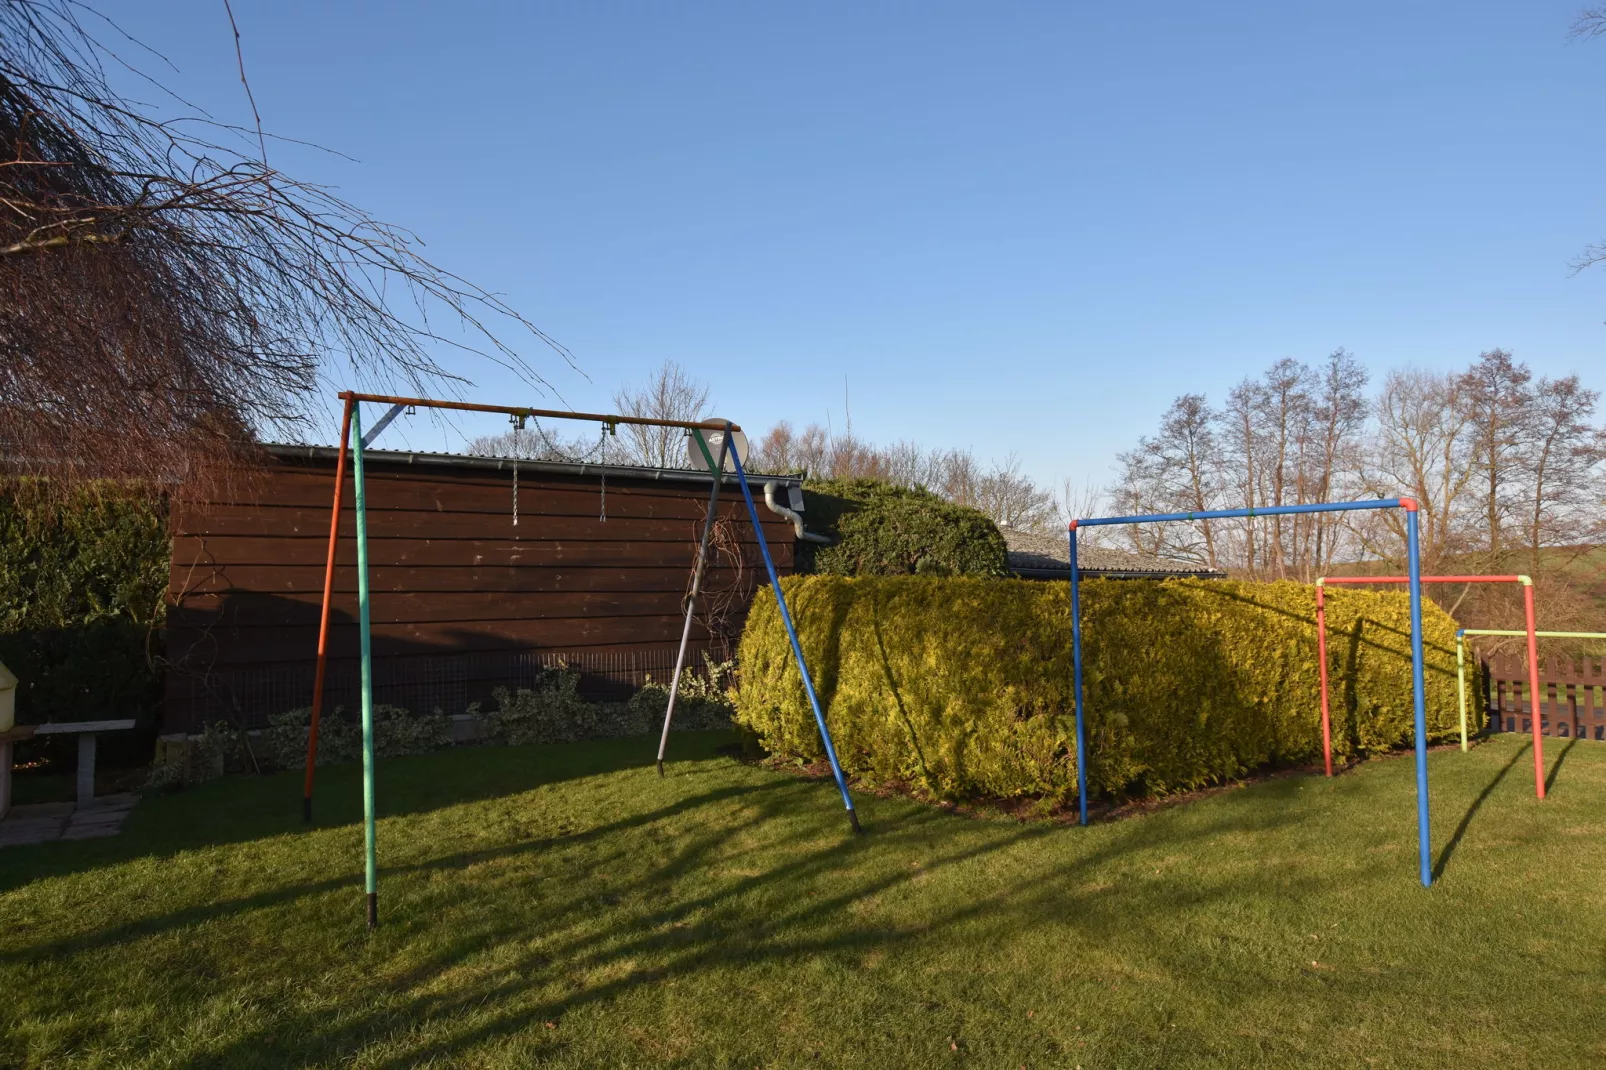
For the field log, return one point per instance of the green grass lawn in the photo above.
(562, 906)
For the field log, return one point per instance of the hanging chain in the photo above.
(602, 447)
(518, 425)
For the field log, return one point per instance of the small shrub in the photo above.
(163, 777)
(550, 712)
(705, 704)
(397, 731)
(220, 747)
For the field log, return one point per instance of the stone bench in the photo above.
(86, 731)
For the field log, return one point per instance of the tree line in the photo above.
(1509, 470)
(998, 488)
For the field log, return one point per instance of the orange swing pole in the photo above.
(1533, 689)
(323, 618)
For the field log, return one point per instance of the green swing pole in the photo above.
(360, 504)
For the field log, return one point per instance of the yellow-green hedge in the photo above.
(964, 685)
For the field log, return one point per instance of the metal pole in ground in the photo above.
(1076, 677)
(1321, 660)
(1533, 686)
(360, 504)
(797, 647)
(1419, 694)
(1461, 682)
(717, 467)
(323, 614)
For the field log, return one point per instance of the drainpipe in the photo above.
(795, 517)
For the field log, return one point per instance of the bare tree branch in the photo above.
(165, 297)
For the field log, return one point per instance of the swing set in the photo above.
(1533, 657)
(713, 439)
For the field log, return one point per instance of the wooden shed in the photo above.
(463, 599)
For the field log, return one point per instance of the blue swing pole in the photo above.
(359, 500)
(1418, 694)
(797, 647)
(1076, 675)
(1418, 686)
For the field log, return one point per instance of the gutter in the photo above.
(791, 514)
(1027, 572)
(586, 469)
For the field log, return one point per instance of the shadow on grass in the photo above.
(816, 905)
(1555, 770)
(1472, 811)
(742, 876)
(239, 809)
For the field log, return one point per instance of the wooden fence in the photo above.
(463, 600)
(1572, 696)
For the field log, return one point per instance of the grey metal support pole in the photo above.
(86, 769)
(718, 468)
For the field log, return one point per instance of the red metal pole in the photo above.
(1321, 660)
(323, 619)
(1533, 689)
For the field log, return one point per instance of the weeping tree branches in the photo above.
(165, 294)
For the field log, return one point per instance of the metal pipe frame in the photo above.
(1418, 686)
(1460, 658)
(797, 646)
(351, 440)
(1533, 657)
(717, 467)
(323, 615)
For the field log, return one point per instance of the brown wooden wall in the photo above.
(462, 600)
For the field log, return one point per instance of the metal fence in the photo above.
(1572, 696)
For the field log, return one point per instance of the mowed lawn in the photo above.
(563, 906)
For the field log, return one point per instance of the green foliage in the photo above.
(397, 731)
(554, 712)
(882, 529)
(964, 686)
(83, 585)
(704, 704)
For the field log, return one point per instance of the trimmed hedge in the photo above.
(883, 529)
(83, 587)
(963, 686)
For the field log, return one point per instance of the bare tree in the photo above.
(1178, 470)
(670, 394)
(1562, 482)
(1340, 415)
(1500, 399)
(168, 292)
(1424, 449)
(1013, 500)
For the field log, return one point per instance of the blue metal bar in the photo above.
(1076, 661)
(1419, 699)
(359, 500)
(1227, 514)
(1418, 684)
(797, 647)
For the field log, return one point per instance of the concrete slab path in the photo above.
(43, 822)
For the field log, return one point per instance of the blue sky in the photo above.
(1014, 227)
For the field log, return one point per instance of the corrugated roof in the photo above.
(293, 452)
(1040, 556)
